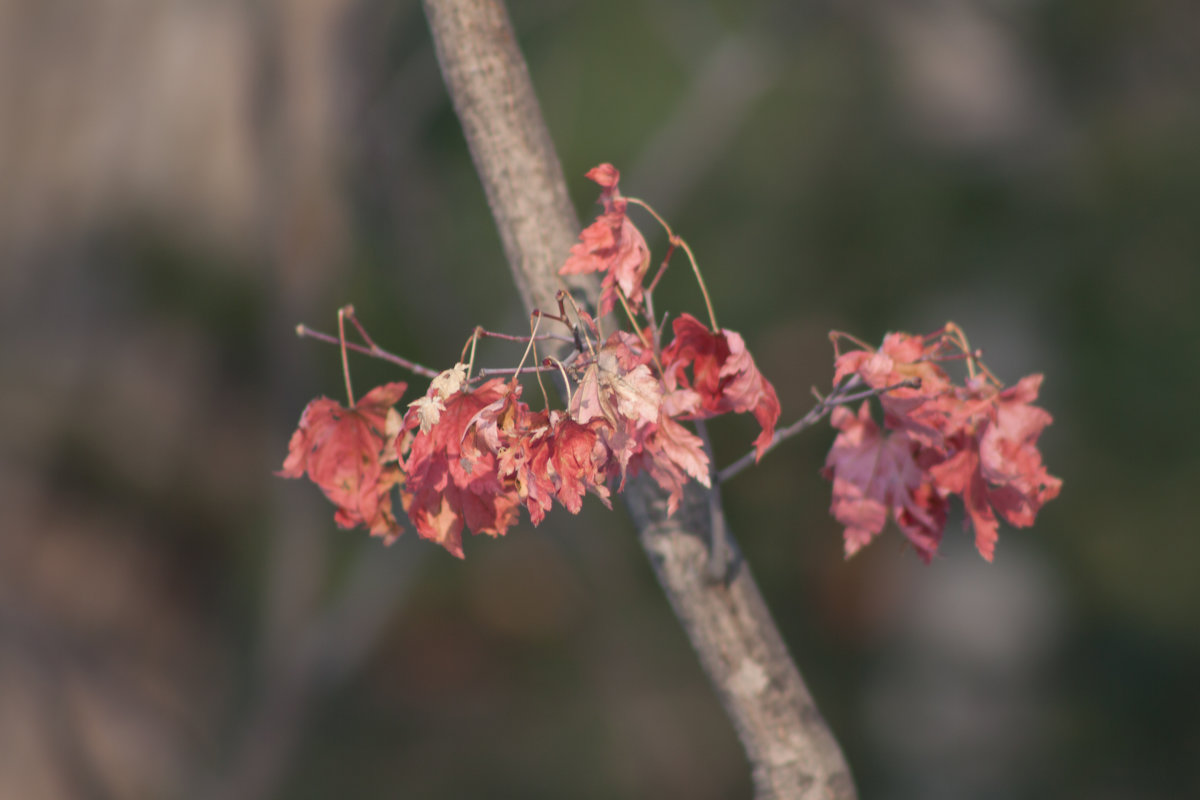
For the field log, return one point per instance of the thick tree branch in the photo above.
(514, 156)
(792, 752)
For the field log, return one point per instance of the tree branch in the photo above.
(514, 156)
(791, 750)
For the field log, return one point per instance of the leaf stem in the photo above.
(834, 336)
(474, 340)
(641, 334)
(712, 315)
(537, 320)
(680, 242)
(555, 363)
(345, 361)
(960, 338)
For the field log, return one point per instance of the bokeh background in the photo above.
(181, 183)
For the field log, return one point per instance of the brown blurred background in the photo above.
(182, 182)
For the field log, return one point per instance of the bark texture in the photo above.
(489, 84)
(792, 753)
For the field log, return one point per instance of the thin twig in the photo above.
(679, 241)
(544, 337)
(492, 372)
(815, 414)
(366, 337)
(671, 245)
(305, 332)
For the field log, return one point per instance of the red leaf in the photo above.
(1009, 454)
(960, 475)
(875, 476)
(616, 401)
(918, 410)
(344, 452)
(451, 480)
(429, 407)
(520, 439)
(671, 453)
(1000, 467)
(972, 440)
(723, 374)
(579, 459)
(611, 244)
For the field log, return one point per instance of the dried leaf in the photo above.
(612, 245)
(343, 451)
(723, 374)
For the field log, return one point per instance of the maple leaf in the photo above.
(1009, 456)
(974, 440)
(724, 375)
(624, 401)
(452, 481)
(579, 460)
(612, 245)
(875, 476)
(959, 474)
(671, 453)
(520, 439)
(999, 468)
(920, 410)
(345, 452)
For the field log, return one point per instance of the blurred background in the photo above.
(182, 182)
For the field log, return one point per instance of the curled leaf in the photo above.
(346, 453)
(612, 245)
(876, 477)
(723, 374)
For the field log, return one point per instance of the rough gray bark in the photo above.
(514, 156)
(791, 750)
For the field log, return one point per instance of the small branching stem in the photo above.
(353, 317)
(484, 333)
(839, 397)
(495, 372)
(671, 245)
(305, 332)
(562, 295)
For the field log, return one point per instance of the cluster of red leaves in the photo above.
(471, 456)
(976, 440)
